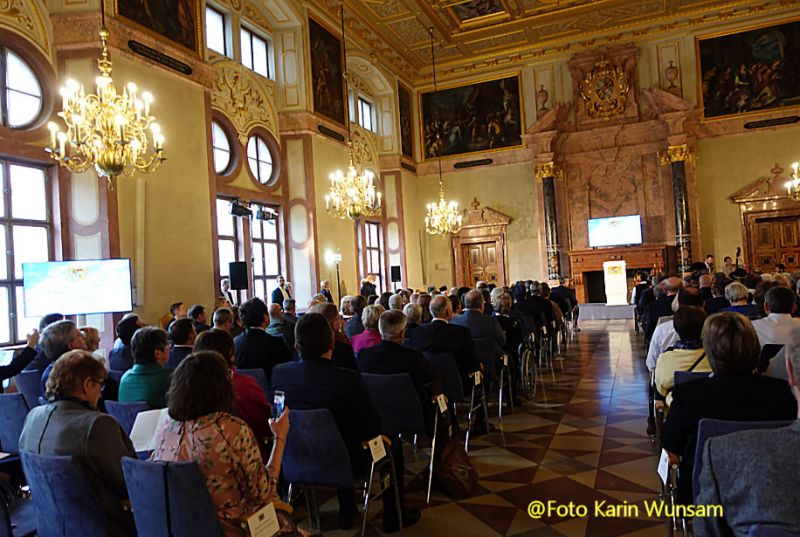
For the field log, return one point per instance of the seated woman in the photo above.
(251, 401)
(72, 425)
(413, 313)
(370, 336)
(147, 380)
(201, 427)
(687, 354)
(739, 297)
(735, 392)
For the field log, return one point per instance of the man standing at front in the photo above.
(280, 293)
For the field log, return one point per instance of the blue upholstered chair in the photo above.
(170, 499)
(64, 501)
(17, 517)
(709, 428)
(125, 413)
(316, 457)
(13, 410)
(400, 410)
(260, 377)
(29, 384)
(769, 531)
(116, 375)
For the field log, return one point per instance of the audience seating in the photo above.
(709, 428)
(13, 411)
(115, 375)
(170, 498)
(400, 410)
(43, 401)
(17, 517)
(769, 531)
(29, 384)
(260, 377)
(316, 457)
(125, 413)
(64, 501)
(490, 364)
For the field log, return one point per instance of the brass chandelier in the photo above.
(792, 186)
(113, 132)
(352, 194)
(442, 218)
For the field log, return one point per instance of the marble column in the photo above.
(676, 156)
(546, 173)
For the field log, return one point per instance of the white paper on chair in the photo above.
(3, 455)
(264, 522)
(663, 466)
(143, 434)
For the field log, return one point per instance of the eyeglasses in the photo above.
(101, 383)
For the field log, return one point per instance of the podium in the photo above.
(616, 283)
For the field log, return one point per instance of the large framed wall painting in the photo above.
(749, 71)
(482, 116)
(176, 20)
(406, 128)
(327, 82)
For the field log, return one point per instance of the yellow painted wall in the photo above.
(334, 235)
(414, 227)
(725, 165)
(177, 247)
(509, 189)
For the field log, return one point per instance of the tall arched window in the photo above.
(20, 91)
(222, 148)
(259, 158)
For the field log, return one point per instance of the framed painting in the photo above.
(483, 116)
(327, 82)
(177, 20)
(749, 71)
(406, 129)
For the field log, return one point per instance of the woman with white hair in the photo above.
(739, 297)
(370, 336)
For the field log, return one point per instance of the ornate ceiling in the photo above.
(473, 35)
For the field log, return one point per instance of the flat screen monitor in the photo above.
(77, 287)
(615, 231)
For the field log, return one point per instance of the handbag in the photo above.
(454, 471)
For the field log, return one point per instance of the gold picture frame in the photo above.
(335, 78)
(156, 19)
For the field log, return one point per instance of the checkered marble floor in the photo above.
(581, 439)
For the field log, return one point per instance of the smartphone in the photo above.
(278, 404)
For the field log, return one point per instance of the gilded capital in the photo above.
(547, 169)
(675, 153)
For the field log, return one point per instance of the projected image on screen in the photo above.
(77, 287)
(615, 231)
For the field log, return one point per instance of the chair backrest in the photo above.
(13, 410)
(116, 375)
(483, 348)
(315, 453)
(260, 377)
(397, 403)
(709, 428)
(125, 413)
(170, 498)
(770, 531)
(29, 384)
(445, 365)
(768, 352)
(64, 501)
(687, 376)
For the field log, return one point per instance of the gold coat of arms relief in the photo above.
(604, 89)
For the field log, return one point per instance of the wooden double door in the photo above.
(482, 263)
(775, 240)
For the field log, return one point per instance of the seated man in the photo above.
(354, 325)
(21, 360)
(57, 339)
(147, 380)
(182, 335)
(777, 327)
(718, 302)
(254, 347)
(223, 319)
(733, 393)
(662, 307)
(313, 382)
(290, 312)
(278, 327)
(120, 357)
(72, 425)
(343, 355)
(687, 354)
(481, 326)
(197, 313)
(753, 475)
(40, 360)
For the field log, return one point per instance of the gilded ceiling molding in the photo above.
(244, 98)
(365, 149)
(25, 17)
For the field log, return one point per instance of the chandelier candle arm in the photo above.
(792, 186)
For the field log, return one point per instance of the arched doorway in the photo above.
(479, 247)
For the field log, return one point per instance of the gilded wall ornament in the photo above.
(365, 149)
(243, 98)
(675, 153)
(604, 89)
(544, 170)
(25, 18)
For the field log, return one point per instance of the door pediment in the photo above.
(766, 188)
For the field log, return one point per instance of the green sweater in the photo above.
(145, 382)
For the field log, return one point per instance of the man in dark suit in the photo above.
(280, 293)
(704, 282)
(661, 307)
(198, 314)
(354, 325)
(254, 347)
(314, 382)
(539, 308)
(343, 355)
(22, 359)
(325, 290)
(121, 358)
(733, 393)
(752, 485)
(479, 325)
(182, 334)
(40, 360)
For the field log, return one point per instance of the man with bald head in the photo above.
(663, 306)
(705, 286)
(278, 327)
(481, 326)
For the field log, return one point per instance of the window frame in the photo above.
(274, 152)
(236, 239)
(4, 89)
(12, 282)
(226, 40)
(365, 248)
(363, 102)
(231, 165)
(255, 34)
(262, 241)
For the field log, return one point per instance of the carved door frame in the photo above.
(481, 225)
